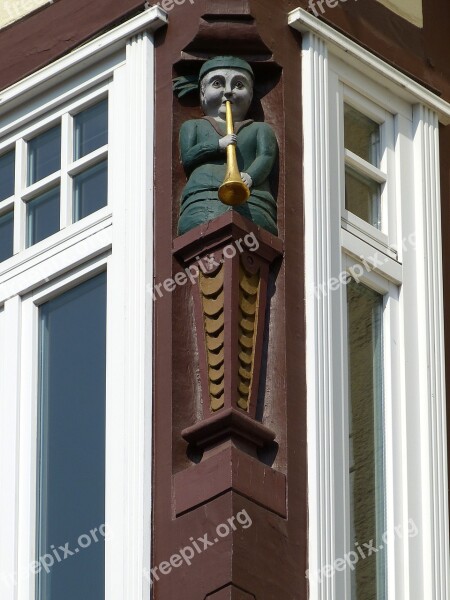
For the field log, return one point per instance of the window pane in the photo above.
(90, 190)
(43, 216)
(363, 197)
(365, 358)
(6, 235)
(71, 444)
(362, 135)
(44, 154)
(7, 164)
(91, 129)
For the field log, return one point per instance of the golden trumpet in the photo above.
(233, 190)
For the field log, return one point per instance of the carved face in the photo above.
(235, 85)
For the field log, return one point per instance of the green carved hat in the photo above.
(225, 62)
(185, 84)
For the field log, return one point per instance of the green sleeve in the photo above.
(194, 153)
(266, 154)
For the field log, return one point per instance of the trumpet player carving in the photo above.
(227, 158)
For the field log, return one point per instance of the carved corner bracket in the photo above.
(232, 257)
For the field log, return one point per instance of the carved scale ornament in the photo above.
(211, 287)
(249, 289)
(213, 307)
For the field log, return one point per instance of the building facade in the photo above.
(132, 466)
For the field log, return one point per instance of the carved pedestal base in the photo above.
(232, 258)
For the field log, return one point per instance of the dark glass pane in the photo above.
(90, 190)
(362, 135)
(7, 165)
(365, 357)
(43, 216)
(363, 197)
(71, 444)
(91, 129)
(44, 154)
(6, 235)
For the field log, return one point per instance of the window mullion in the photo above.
(19, 204)
(344, 445)
(66, 159)
(41, 186)
(340, 148)
(27, 448)
(353, 160)
(390, 197)
(88, 161)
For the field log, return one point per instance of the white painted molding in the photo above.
(104, 45)
(363, 60)
(9, 443)
(321, 237)
(434, 467)
(130, 308)
(27, 332)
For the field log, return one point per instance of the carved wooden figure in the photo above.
(204, 142)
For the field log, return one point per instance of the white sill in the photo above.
(47, 248)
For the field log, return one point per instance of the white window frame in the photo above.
(118, 238)
(28, 426)
(391, 390)
(385, 238)
(25, 193)
(416, 439)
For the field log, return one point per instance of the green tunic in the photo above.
(205, 166)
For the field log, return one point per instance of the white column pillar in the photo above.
(130, 273)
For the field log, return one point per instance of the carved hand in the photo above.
(227, 140)
(247, 179)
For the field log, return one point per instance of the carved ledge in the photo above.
(231, 592)
(231, 424)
